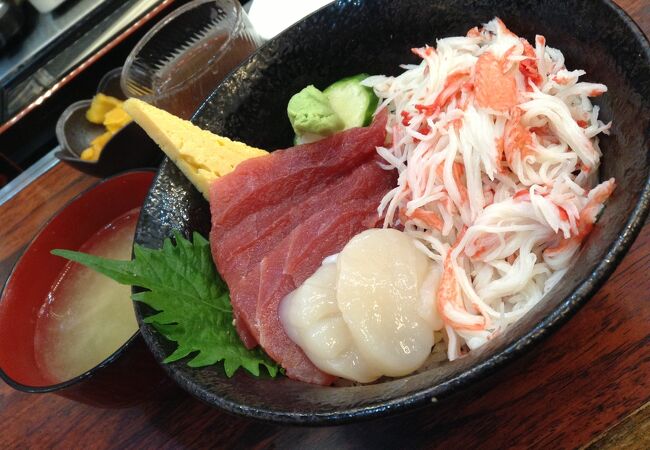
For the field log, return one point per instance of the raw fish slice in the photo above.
(361, 183)
(243, 298)
(287, 174)
(261, 231)
(312, 319)
(295, 259)
(380, 273)
(263, 190)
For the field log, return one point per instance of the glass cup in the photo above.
(180, 61)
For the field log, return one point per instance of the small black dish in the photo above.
(375, 36)
(130, 148)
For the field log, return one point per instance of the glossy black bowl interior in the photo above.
(375, 36)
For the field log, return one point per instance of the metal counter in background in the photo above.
(56, 42)
(8, 191)
(60, 59)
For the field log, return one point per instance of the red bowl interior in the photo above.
(32, 278)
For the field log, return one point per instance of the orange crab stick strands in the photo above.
(528, 67)
(588, 215)
(517, 140)
(450, 303)
(453, 84)
(498, 137)
(458, 170)
(494, 88)
(429, 219)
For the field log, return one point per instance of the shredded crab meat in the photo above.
(496, 146)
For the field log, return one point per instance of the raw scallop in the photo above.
(312, 319)
(363, 316)
(380, 273)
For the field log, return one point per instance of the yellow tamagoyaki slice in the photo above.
(202, 156)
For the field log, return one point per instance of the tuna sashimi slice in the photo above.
(292, 262)
(361, 183)
(289, 175)
(258, 204)
(243, 297)
(262, 230)
(257, 237)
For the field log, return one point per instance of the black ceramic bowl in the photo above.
(375, 36)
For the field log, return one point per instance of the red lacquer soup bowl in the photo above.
(127, 375)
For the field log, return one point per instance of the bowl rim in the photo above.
(65, 153)
(510, 352)
(113, 356)
(115, 72)
(59, 129)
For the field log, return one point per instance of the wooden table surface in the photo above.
(587, 385)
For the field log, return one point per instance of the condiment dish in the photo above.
(130, 148)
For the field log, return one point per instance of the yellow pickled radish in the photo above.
(100, 105)
(115, 119)
(88, 154)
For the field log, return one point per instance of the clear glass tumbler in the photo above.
(180, 61)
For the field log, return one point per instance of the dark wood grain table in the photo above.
(587, 385)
